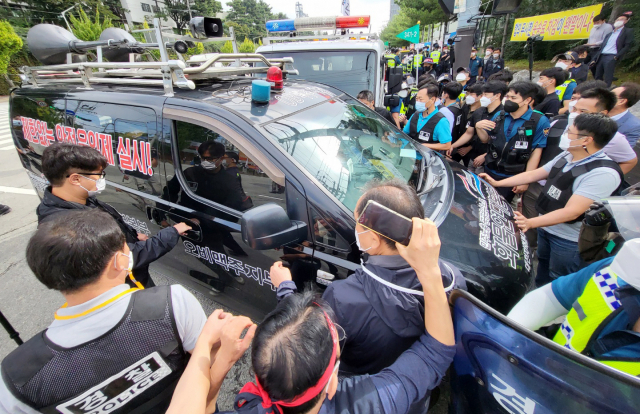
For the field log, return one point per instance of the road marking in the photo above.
(17, 190)
(259, 195)
(7, 148)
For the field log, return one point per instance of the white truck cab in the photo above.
(351, 63)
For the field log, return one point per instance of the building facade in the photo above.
(393, 9)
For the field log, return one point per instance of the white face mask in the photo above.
(130, 266)
(565, 142)
(470, 100)
(597, 25)
(572, 118)
(496, 55)
(403, 94)
(571, 105)
(484, 101)
(626, 262)
(358, 240)
(562, 65)
(208, 165)
(461, 77)
(438, 102)
(618, 24)
(101, 184)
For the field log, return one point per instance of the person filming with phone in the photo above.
(385, 294)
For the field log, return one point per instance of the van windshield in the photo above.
(347, 70)
(344, 145)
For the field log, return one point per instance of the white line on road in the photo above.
(10, 147)
(260, 195)
(4, 141)
(17, 190)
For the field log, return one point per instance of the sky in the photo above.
(377, 9)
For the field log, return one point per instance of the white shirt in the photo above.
(610, 48)
(187, 311)
(620, 115)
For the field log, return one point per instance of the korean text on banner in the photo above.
(565, 25)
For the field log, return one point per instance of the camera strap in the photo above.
(404, 289)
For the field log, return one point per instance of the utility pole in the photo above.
(504, 32)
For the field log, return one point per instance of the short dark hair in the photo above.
(580, 49)
(626, 15)
(630, 92)
(233, 154)
(476, 88)
(366, 95)
(503, 76)
(557, 74)
(394, 194)
(586, 85)
(495, 87)
(432, 90)
(606, 99)
(430, 80)
(488, 47)
(525, 89)
(59, 158)
(215, 148)
(497, 49)
(70, 250)
(453, 89)
(598, 18)
(540, 95)
(292, 348)
(599, 126)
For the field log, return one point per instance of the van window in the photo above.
(215, 169)
(126, 135)
(34, 121)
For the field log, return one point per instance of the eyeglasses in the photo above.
(102, 174)
(210, 158)
(578, 135)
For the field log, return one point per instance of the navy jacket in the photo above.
(144, 252)
(380, 322)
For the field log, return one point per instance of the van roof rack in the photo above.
(165, 72)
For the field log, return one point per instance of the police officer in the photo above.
(565, 90)
(435, 55)
(602, 307)
(111, 347)
(516, 137)
(575, 179)
(429, 126)
(451, 108)
(463, 77)
(417, 60)
(390, 60)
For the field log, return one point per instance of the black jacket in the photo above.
(492, 67)
(144, 252)
(623, 43)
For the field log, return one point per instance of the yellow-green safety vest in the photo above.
(560, 90)
(403, 108)
(462, 96)
(417, 60)
(391, 60)
(435, 55)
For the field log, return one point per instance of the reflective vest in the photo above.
(134, 367)
(391, 60)
(403, 108)
(417, 60)
(411, 103)
(435, 55)
(559, 186)
(511, 156)
(560, 90)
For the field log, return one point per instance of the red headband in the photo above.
(310, 393)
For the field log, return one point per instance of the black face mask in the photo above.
(510, 106)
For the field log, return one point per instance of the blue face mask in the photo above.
(421, 106)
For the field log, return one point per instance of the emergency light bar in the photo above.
(318, 23)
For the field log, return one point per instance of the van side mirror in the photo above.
(268, 227)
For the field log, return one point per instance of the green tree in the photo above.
(399, 23)
(427, 12)
(227, 47)
(177, 11)
(10, 43)
(248, 17)
(247, 46)
(88, 30)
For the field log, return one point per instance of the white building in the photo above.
(393, 9)
(141, 10)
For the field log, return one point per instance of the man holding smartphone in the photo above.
(385, 294)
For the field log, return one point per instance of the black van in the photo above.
(295, 166)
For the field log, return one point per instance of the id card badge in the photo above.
(424, 136)
(522, 145)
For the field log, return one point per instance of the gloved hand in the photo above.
(597, 215)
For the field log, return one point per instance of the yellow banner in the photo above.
(565, 25)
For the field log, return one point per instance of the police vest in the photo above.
(511, 157)
(602, 299)
(619, 350)
(417, 61)
(134, 366)
(411, 104)
(424, 135)
(435, 55)
(553, 149)
(560, 90)
(391, 60)
(559, 187)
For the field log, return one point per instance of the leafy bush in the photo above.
(10, 43)
(88, 30)
(227, 47)
(247, 46)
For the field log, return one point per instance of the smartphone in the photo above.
(386, 222)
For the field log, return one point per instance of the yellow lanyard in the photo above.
(102, 305)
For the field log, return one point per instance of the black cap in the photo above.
(462, 69)
(569, 56)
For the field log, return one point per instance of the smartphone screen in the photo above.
(386, 222)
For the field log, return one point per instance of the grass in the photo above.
(622, 74)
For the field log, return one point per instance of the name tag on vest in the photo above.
(120, 389)
(554, 192)
(522, 144)
(425, 136)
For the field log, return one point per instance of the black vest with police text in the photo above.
(511, 157)
(553, 149)
(559, 187)
(425, 135)
(133, 368)
(457, 120)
